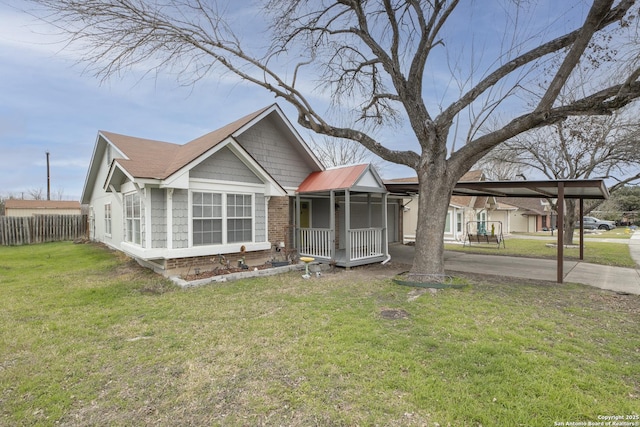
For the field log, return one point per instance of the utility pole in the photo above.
(48, 179)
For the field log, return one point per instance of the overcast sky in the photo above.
(47, 103)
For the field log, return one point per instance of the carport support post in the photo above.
(332, 223)
(581, 229)
(560, 208)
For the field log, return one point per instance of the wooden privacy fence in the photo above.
(24, 230)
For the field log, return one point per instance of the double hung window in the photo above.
(133, 215)
(239, 218)
(221, 218)
(107, 218)
(207, 219)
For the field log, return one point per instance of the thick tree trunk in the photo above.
(570, 219)
(433, 204)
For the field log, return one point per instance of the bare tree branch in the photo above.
(373, 58)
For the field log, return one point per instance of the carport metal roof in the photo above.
(573, 188)
(560, 189)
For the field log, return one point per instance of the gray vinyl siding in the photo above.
(158, 218)
(360, 215)
(260, 219)
(180, 219)
(320, 213)
(268, 144)
(224, 165)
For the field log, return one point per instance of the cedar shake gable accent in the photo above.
(197, 147)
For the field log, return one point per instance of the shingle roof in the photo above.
(148, 158)
(533, 205)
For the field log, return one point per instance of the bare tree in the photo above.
(503, 164)
(334, 152)
(58, 194)
(580, 148)
(36, 193)
(375, 58)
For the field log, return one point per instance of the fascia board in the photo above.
(115, 165)
(92, 173)
(100, 134)
(178, 180)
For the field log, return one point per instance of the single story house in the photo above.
(523, 214)
(22, 208)
(252, 189)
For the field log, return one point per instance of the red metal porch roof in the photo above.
(332, 179)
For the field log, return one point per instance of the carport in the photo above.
(561, 189)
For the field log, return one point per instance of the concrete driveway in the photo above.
(617, 279)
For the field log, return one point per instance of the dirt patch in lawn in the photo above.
(222, 272)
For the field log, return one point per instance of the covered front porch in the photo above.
(341, 217)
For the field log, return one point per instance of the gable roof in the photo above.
(359, 177)
(144, 158)
(529, 205)
(147, 158)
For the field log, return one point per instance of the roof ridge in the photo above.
(198, 146)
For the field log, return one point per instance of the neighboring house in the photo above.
(233, 193)
(524, 214)
(17, 207)
(464, 211)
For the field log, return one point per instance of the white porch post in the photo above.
(169, 218)
(296, 222)
(347, 226)
(385, 225)
(332, 223)
(369, 213)
(266, 218)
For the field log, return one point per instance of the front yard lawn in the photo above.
(89, 338)
(605, 253)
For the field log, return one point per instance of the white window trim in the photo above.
(225, 244)
(140, 218)
(110, 218)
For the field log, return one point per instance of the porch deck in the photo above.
(341, 259)
(366, 246)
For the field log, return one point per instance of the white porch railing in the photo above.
(315, 242)
(365, 243)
